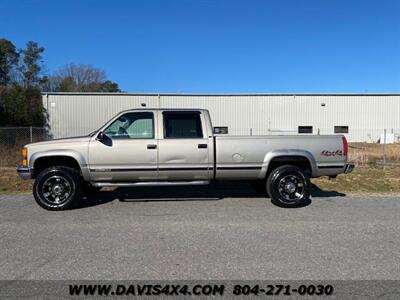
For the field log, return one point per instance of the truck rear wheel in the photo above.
(288, 186)
(57, 188)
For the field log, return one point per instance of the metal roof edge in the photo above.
(218, 94)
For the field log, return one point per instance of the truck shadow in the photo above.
(213, 192)
(318, 192)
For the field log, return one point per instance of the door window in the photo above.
(136, 125)
(181, 125)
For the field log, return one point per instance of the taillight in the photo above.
(345, 146)
(24, 154)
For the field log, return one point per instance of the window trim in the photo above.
(133, 112)
(182, 113)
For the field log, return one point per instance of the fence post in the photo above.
(30, 134)
(384, 149)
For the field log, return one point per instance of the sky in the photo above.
(218, 46)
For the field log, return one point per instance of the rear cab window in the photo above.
(182, 125)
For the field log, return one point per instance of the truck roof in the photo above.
(163, 109)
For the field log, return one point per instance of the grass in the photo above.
(9, 156)
(368, 154)
(11, 183)
(363, 180)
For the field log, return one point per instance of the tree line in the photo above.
(23, 79)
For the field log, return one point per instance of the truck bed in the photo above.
(248, 156)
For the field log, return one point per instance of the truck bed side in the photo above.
(250, 156)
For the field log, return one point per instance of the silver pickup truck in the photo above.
(163, 147)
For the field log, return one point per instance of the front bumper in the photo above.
(24, 172)
(349, 168)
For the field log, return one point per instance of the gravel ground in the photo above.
(219, 232)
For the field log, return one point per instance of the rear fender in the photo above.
(288, 152)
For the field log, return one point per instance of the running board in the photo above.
(150, 183)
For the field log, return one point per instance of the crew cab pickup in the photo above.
(164, 147)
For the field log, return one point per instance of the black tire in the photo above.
(57, 188)
(289, 186)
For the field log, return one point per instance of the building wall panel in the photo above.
(366, 115)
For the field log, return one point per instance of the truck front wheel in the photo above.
(288, 186)
(57, 188)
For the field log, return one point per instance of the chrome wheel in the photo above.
(291, 188)
(56, 190)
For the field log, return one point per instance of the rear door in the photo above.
(183, 146)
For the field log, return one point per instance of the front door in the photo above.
(183, 147)
(128, 152)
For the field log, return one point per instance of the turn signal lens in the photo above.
(24, 154)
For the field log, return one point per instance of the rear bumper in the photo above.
(24, 172)
(349, 168)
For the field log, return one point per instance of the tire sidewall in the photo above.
(69, 175)
(272, 186)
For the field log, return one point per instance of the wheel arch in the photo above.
(300, 158)
(42, 160)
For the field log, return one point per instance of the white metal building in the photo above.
(362, 117)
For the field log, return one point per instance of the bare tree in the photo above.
(81, 78)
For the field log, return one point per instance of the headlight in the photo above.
(24, 154)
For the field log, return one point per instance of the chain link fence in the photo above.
(12, 139)
(386, 152)
(15, 136)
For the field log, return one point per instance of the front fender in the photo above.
(80, 159)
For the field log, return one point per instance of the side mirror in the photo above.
(101, 136)
(104, 139)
